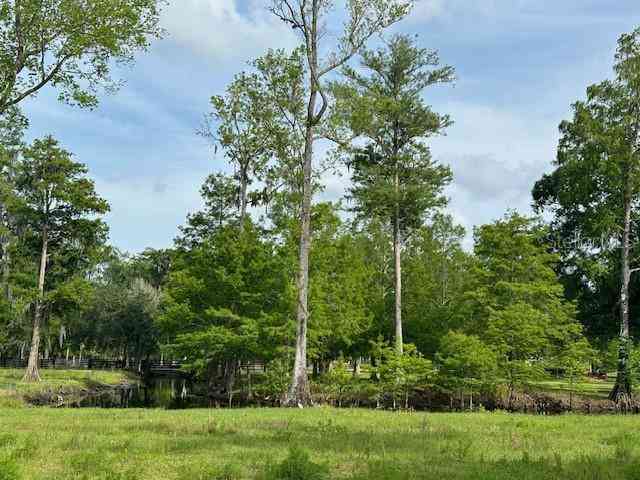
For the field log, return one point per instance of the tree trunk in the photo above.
(6, 266)
(230, 368)
(32, 374)
(622, 390)
(244, 181)
(397, 251)
(299, 393)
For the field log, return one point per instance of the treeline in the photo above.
(378, 281)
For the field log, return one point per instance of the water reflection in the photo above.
(162, 392)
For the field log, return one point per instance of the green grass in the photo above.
(348, 444)
(589, 388)
(13, 389)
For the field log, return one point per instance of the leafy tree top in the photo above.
(70, 44)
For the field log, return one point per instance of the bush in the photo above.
(274, 383)
(297, 466)
(338, 383)
(402, 374)
(466, 364)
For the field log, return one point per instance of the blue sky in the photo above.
(520, 65)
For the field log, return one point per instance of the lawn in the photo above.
(350, 444)
(13, 389)
(589, 388)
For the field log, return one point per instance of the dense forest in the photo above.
(373, 295)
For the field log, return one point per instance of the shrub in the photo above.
(466, 364)
(274, 383)
(401, 374)
(297, 466)
(339, 382)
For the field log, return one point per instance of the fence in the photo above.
(73, 364)
(145, 366)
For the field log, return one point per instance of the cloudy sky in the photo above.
(520, 65)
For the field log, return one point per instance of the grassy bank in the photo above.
(350, 444)
(13, 390)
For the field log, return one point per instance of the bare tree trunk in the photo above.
(244, 181)
(397, 252)
(6, 266)
(32, 374)
(230, 380)
(622, 390)
(299, 393)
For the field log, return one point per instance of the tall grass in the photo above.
(47, 444)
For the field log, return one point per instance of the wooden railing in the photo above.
(145, 366)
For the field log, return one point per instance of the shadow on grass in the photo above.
(395, 454)
(585, 468)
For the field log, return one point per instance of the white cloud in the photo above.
(217, 28)
(146, 212)
(427, 9)
(496, 156)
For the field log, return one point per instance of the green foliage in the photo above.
(227, 337)
(339, 382)
(71, 45)
(574, 361)
(518, 304)
(54, 194)
(437, 274)
(465, 363)
(340, 277)
(220, 196)
(609, 359)
(252, 123)
(519, 333)
(119, 315)
(56, 212)
(297, 466)
(224, 299)
(275, 381)
(394, 177)
(593, 193)
(402, 373)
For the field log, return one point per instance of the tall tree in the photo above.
(12, 126)
(364, 19)
(244, 131)
(56, 200)
(437, 273)
(282, 76)
(395, 177)
(119, 315)
(517, 305)
(595, 188)
(219, 194)
(220, 296)
(70, 45)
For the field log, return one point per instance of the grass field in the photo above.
(350, 444)
(590, 388)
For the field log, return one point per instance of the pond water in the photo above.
(160, 392)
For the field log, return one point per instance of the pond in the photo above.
(159, 392)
